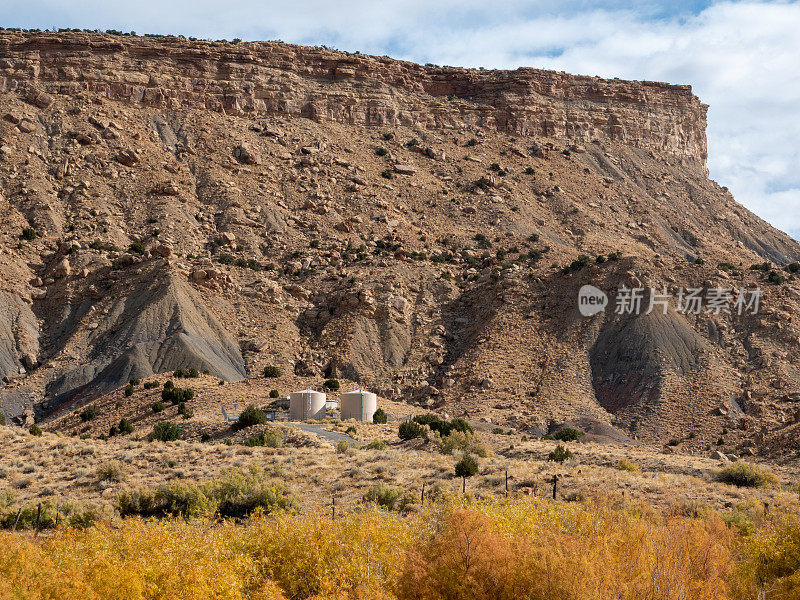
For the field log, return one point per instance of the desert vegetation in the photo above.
(455, 547)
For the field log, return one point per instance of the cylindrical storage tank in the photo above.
(306, 404)
(358, 405)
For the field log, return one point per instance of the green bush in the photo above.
(272, 437)
(237, 494)
(380, 417)
(332, 384)
(125, 427)
(461, 425)
(409, 430)
(149, 385)
(35, 430)
(158, 407)
(2, 419)
(462, 441)
(184, 411)
(177, 395)
(376, 445)
(28, 234)
(165, 431)
(381, 151)
(747, 475)
(28, 517)
(560, 454)
(776, 278)
(274, 394)
(183, 500)
(136, 248)
(792, 268)
(467, 466)
(134, 381)
(568, 434)
(89, 413)
(342, 446)
(272, 371)
(441, 426)
(251, 416)
(386, 497)
(168, 385)
(128, 391)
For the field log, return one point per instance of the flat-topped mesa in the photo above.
(260, 78)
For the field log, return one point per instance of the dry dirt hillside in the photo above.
(421, 231)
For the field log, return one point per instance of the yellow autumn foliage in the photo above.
(455, 549)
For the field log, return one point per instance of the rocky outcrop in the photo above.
(270, 77)
(159, 326)
(19, 335)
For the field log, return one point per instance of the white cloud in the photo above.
(740, 57)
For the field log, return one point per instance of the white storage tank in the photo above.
(306, 404)
(358, 405)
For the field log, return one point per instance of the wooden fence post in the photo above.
(19, 514)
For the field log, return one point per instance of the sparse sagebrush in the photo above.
(272, 437)
(110, 471)
(376, 445)
(747, 475)
(626, 465)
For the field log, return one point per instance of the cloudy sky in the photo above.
(742, 58)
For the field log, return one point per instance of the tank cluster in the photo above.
(308, 405)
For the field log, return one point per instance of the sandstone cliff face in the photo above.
(267, 78)
(174, 204)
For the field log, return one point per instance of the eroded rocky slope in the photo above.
(171, 203)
